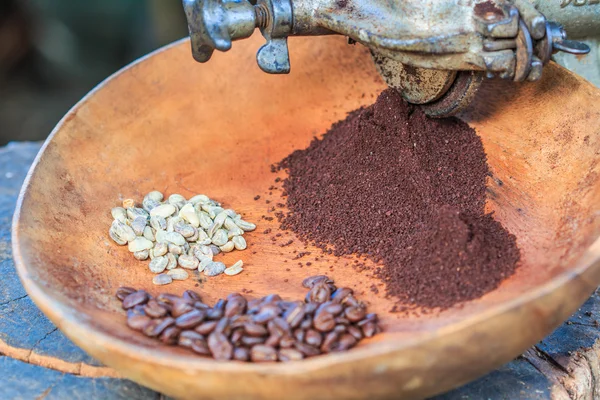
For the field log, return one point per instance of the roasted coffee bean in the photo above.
(262, 353)
(286, 341)
(154, 309)
(340, 294)
(307, 323)
(238, 321)
(284, 305)
(132, 300)
(306, 349)
(180, 308)
(329, 341)
(345, 342)
(330, 307)
(271, 298)
(340, 328)
(356, 332)
(236, 336)
(191, 295)
(254, 306)
(324, 321)
(201, 347)
(206, 327)
(137, 310)
(299, 334)
(124, 291)
(350, 301)
(220, 347)
(369, 329)
(236, 305)
(266, 313)
(186, 338)
(313, 338)
(355, 314)
(252, 340)
(273, 340)
(157, 326)
(241, 354)
(310, 308)
(253, 329)
(170, 335)
(217, 311)
(190, 319)
(278, 326)
(311, 281)
(138, 321)
(289, 355)
(368, 318)
(294, 314)
(223, 326)
(332, 287)
(341, 321)
(168, 298)
(201, 306)
(318, 294)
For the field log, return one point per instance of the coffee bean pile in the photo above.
(330, 319)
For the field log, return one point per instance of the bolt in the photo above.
(262, 15)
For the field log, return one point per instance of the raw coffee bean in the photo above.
(190, 319)
(155, 310)
(124, 291)
(206, 327)
(329, 341)
(355, 314)
(241, 354)
(253, 329)
(307, 350)
(266, 313)
(262, 353)
(220, 347)
(138, 321)
(324, 321)
(170, 335)
(313, 338)
(162, 279)
(236, 336)
(139, 297)
(191, 295)
(345, 342)
(299, 335)
(201, 347)
(356, 332)
(286, 341)
(186, 338)
(236, 305)
(289, 355)
(318, 294)
(294, 315)
(223, 326)
(181, 307)
(156, 327)
(340, 294)
(311, 281)
(369, 329)
(252, 340)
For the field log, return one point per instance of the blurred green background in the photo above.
(52, 52)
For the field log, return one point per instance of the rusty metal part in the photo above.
(417, 85)
(536, 69)
(458, 97)
(524, 53)
(535, 20)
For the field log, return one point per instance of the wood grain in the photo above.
(170, 124)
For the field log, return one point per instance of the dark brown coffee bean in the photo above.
(332, 287)
(136, 298)
(284, 305)
(313, 338)
(310, 308)
(340, 328)
(223, 326)
(341, 321)
(355, 314)
(154, 309)
(190, 319)
(254, 306)
(191, 295)
(253, 329)
(170, 335)
(241, 354)
(369, 329)
(154, 330)
(137, 310)
(368, 318)
(345, 342)
(236, 305)
(286, 341)
(306, 349)
(262, 353)
(329, 341)
(201, 306)
(350, 301)
(217, 311)
(236, 336)
(166, 306)
(273, 340)
(180, 308)
(252, 340)
(340, 294)
(168, 298)
(201, 347)
(318, 294)
(186, 338)
(238, 321)
(324, 321)
(307, 323)
(356, 332)
(330, 307)
(124, 291)
(271, 298)
(219, 346)
(206, 327)
(289, 355)
(311, 281)
(299, 335)
(294, 314)
(138, 322)
(278, 326)
(266, 313)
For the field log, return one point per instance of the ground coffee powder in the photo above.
(408, 192)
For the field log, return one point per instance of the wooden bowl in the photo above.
(168, 123)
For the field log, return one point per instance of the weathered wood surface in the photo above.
(40, 362)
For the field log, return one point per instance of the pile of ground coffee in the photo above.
(408, 192)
